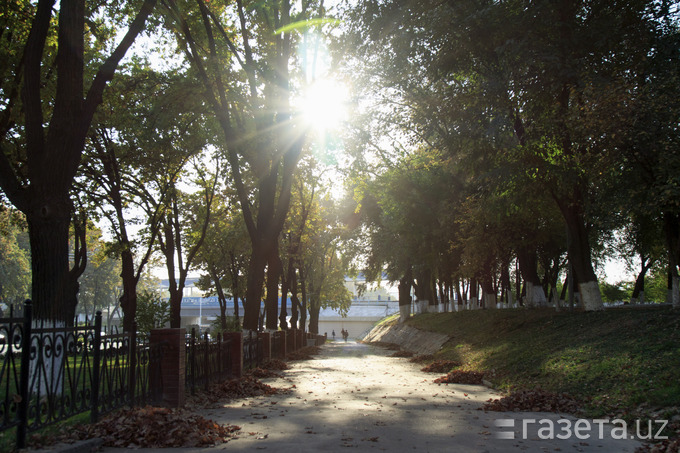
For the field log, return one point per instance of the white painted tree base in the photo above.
(590, 296)
(404, 313)
(489, 301)
(535, 296)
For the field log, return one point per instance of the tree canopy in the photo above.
(502, 147)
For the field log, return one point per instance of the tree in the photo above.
(152, 312)
(641, 240)
(322, 267)
(411, 204)
(537, 90)
(101, 278)
(145, 132)
(184, 227)
(43, 127)
(652, 162)
(224, 256)
(242, 55)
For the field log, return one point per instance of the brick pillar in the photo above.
(236, 339)
(266, 345)
(173, 365)
(301, 342)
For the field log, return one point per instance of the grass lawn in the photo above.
(622, 361)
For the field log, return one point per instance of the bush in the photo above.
(152, 311)
(620, 291)
(233, 325)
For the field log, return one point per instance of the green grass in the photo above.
(36, 438)
(389, 320)
(622, 361)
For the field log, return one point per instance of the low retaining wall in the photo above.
(408, 338)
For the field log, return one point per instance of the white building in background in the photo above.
(374, 303)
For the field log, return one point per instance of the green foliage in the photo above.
(233, 325)
(616, 292)
(656, 285)
(152, 311)
(100, 282)
(15, 261)
(533, 107)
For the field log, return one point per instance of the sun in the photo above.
(324, 106)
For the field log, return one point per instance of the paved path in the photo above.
(354, 396)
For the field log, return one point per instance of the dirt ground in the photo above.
(355, 396)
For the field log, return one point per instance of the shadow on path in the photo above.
(354, 395)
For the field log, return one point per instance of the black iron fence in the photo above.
(50, 373)
(252, 350)
(207, 360)
(278, 339)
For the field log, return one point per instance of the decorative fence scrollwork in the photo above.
(49, 372)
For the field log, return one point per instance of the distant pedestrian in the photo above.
(333, 334)
(345, 335)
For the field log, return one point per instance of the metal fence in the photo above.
(206, 360)
(49, 373)
(252, 350)
(278, 339)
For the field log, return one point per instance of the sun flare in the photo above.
(324, 106)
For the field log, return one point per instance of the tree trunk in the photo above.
(528, 265)
(506, 291)
(221, 298)
(285, 282)
(443, 296)
(295, 305)
(639, 288)
(459, 296)
(424, 290)
(48, 231)
(672, 231)
(235, 291)
(579, 252)
(128, 300)
(304, 304)
(314, 310)
(272, 300)
(488, 292)
(473, 294)
(405, 296)
(254, 284)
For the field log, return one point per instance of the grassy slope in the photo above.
(625, 361)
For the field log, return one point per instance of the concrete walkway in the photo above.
(355, 396)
